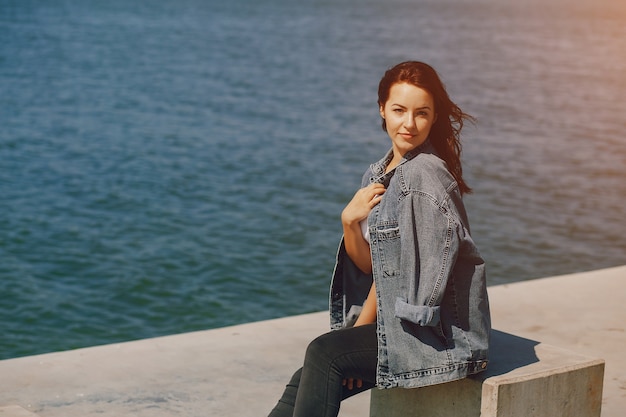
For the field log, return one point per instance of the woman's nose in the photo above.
(409, 121)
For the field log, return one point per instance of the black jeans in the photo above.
(317, 388)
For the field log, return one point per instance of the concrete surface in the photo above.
(584, 313)
(15, 411)
(241, 370)
(524, 378)
(233, 371)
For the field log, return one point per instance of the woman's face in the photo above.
(409, 114)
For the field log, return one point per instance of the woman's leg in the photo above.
(317, 389)
(346, 353)
(285, 405)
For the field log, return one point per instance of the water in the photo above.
(174, 166)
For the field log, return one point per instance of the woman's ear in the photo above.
(381, 110)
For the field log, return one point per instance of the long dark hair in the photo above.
(445, 134)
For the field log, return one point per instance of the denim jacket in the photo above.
(433, 318)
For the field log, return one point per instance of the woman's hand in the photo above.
(351, 382)
(362, 203)
(358, 209)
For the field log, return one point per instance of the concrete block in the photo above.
(525, 378)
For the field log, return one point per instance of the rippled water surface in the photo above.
(174, 166)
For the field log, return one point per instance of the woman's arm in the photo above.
(368, 314)
(356, 247)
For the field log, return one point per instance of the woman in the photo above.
(408, 298)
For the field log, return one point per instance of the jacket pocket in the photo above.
(389, 247)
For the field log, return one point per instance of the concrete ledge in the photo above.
(525, 378)
(232, 371)
(15, 411)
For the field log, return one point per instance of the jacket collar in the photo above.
(378, 168)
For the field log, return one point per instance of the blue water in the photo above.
(175, 166)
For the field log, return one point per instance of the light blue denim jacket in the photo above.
(433, 319)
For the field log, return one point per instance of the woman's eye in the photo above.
(397, 111)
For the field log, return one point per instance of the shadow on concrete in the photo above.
(508, 352)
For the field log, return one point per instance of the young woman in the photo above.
(408, 298)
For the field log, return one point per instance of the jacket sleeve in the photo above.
(429, 248)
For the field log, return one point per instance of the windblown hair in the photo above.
(445, 134)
